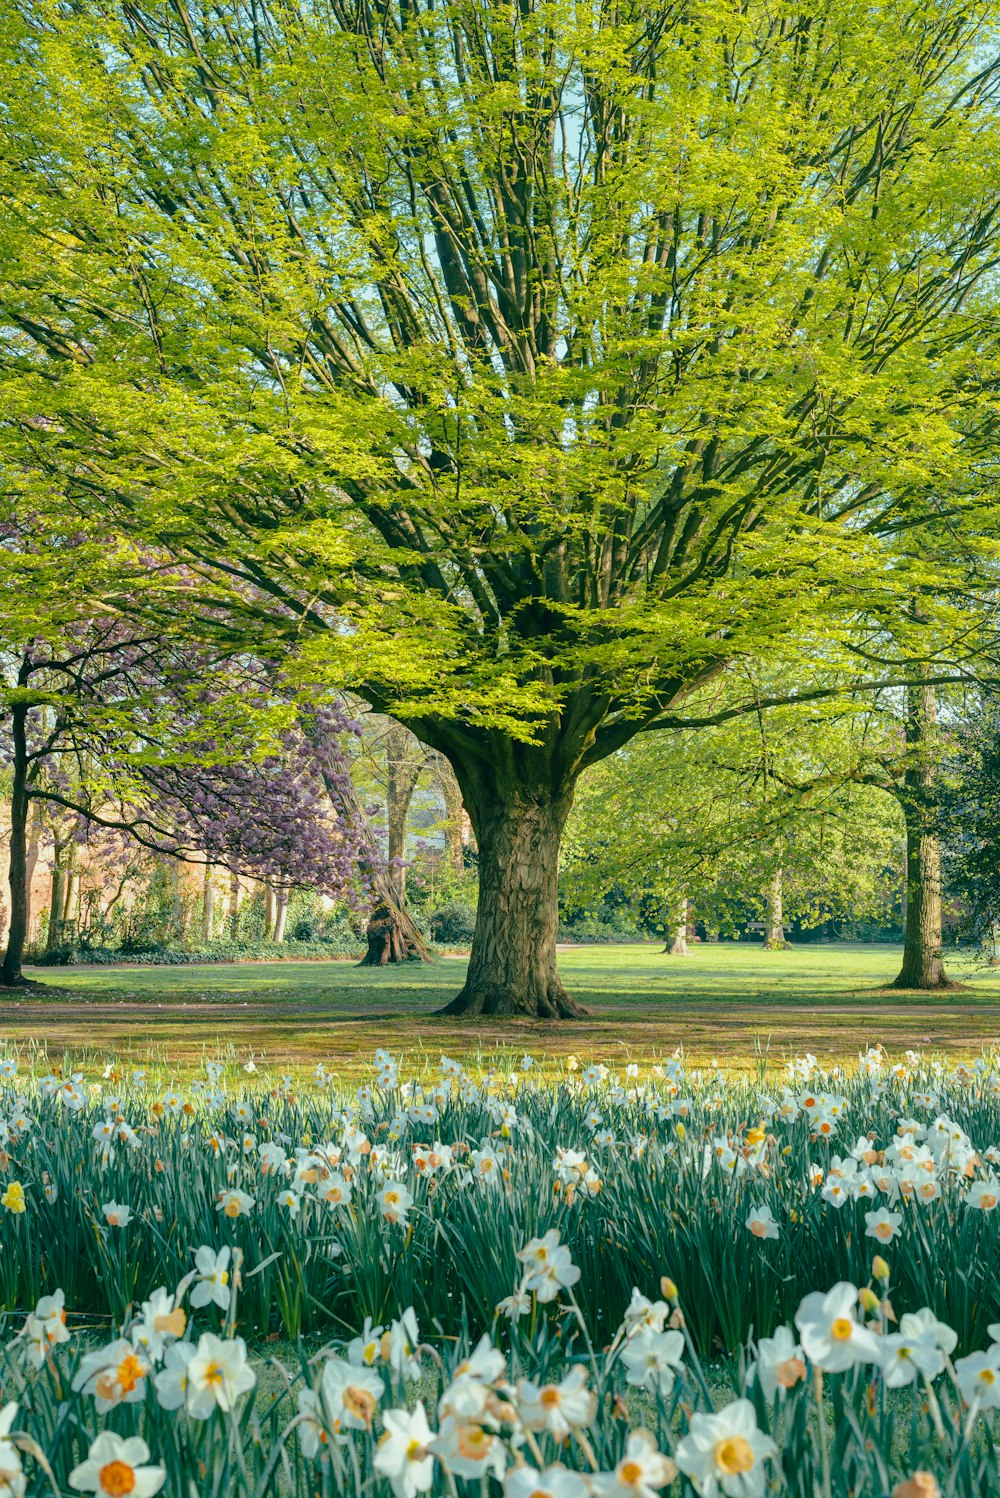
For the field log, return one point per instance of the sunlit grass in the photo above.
(737, 1005)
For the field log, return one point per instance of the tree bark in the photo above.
(280, 916)
(71, 909)
(57, 900)
(391, 933)
(208, 904)
(923, 960)
(18, 869)
(679, 946)
(454, 814)
(512, 967)
(270, 912)
(774, 916)
(408, 944)
(404, 759)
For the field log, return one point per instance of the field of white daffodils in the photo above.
(621, 1286)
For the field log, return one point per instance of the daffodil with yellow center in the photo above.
(733, 1455)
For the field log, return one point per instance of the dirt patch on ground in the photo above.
(178, 1033)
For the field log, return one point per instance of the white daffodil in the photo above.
(350, 1394)
(726, 1453)
(984, 1195)
(642, 1471)
(653, 1359)
(217, 1375)
(115, 1374)
(465, 1449)
(117, 1214)
(641, 1312)
(160, 1321)
(979, 1378)
(913, 1323)
(401, 1343)
(234, 1203)
(554, 1482)
(905, 1356)
(395, 1202)
(472, 1383)
(883, 1225)
(832, 1337)
(779, 1364)
(548, 1266)
(760, 1221)
(13, 1482)
(116, 1466)
(171, 1381)
(403, 1455)
(557, 1407)
(212, 1284)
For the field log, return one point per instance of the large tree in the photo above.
(520, 364)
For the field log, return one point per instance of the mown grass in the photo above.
(729, 1003)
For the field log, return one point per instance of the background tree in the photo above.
(528, 364)
(969, 823)
(115, 730)
(707, 824)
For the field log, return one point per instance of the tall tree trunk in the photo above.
(71, 908)
(208, 904)
(923, 960)
(404, 759)
(398, 938)
(396, 851)
(18, 871)
(57, 899)
(455, 819)
(512, 966)
(233, 914)
(679, 946)
(270, 912)
(774, 914)
(280, 916)
(31, 861)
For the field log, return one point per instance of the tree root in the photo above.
(495, 1000)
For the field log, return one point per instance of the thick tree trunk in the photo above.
(923, 961)
(774, 915)
(270, 911)
(391, 933)
(233, 913)
(512, 967)
(679, 946)
(18, 870)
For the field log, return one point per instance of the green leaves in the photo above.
(499, 314)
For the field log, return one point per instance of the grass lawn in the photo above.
(724, 1002)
